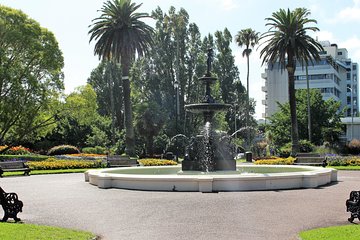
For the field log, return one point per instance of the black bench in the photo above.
(11, 205)
(310, 159)
(14, 166)
(120, 161)
(353, 205)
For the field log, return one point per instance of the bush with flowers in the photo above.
(15, 150)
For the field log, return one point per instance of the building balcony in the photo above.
(264, 75)
(264, 88)
(264, 102)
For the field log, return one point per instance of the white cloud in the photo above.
(353, 46)
(351, 43)
(228, 4)
(349, 14)
(325, 36)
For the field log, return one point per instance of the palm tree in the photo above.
(120, 34)
(248, 38)
(286, 42)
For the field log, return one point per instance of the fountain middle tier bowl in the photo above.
(207, 107)
(245, 178)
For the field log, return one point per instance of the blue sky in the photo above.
(338, 21)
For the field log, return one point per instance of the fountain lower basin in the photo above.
(246, 178)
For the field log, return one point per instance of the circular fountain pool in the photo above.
(245, 178)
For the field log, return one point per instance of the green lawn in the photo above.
(37, 172)
(346, 167)
(347, 232)
(12, 231)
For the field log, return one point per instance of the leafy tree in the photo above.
(248, 38)
(286, 42)
(149, 122)
(78, 122)
(30, 77)
(79, 112)
(120, 34)
(105, 81)
(325, 122)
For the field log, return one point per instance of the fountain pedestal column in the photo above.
(209, 151)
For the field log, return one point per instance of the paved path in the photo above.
(66, 200)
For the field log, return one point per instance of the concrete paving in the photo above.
(65, 200)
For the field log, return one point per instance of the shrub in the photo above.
(354, 146)
(16, 150)
(95, 150)
(53, 164)
(305, 146)
(285, 151)
(63, 149)
(23, 157)
(276, 161)
(156, 162)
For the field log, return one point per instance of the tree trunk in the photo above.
(247, 104)
(150, 146)
(129, 129)
(292, 101)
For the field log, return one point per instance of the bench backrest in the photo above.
(317, 159)
(12, 165)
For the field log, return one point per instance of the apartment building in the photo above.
(335, 75)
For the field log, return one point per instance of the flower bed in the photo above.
(52, 164)
(156, 162)
(275, 161)
(336, 160)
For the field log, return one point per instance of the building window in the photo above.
(348, 112)
(348, 76)
(354, 67)
(339, 53)
(348, 100)
(348, 88)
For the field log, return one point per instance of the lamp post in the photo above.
(352, 111)
(177, 110)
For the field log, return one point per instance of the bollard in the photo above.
(248, 156)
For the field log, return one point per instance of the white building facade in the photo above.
(335, 75)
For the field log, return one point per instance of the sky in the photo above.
(69, 20)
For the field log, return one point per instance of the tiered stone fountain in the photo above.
(209, 165)
(209, 151)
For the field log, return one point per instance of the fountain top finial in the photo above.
(210, 58)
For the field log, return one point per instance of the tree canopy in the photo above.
(325, 119)
(31, 76)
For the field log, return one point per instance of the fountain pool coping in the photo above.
(312, 178)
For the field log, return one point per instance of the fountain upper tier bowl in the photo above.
(170, 178)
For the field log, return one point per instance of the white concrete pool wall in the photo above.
(314, 177)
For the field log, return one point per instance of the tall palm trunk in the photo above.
(292, 100)
(129, 129)
(247, 103)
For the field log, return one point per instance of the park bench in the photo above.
(310, 159)
(353, 205)
(120, 161)
(11, 205)
(14, 166)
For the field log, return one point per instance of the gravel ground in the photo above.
(66, 200)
